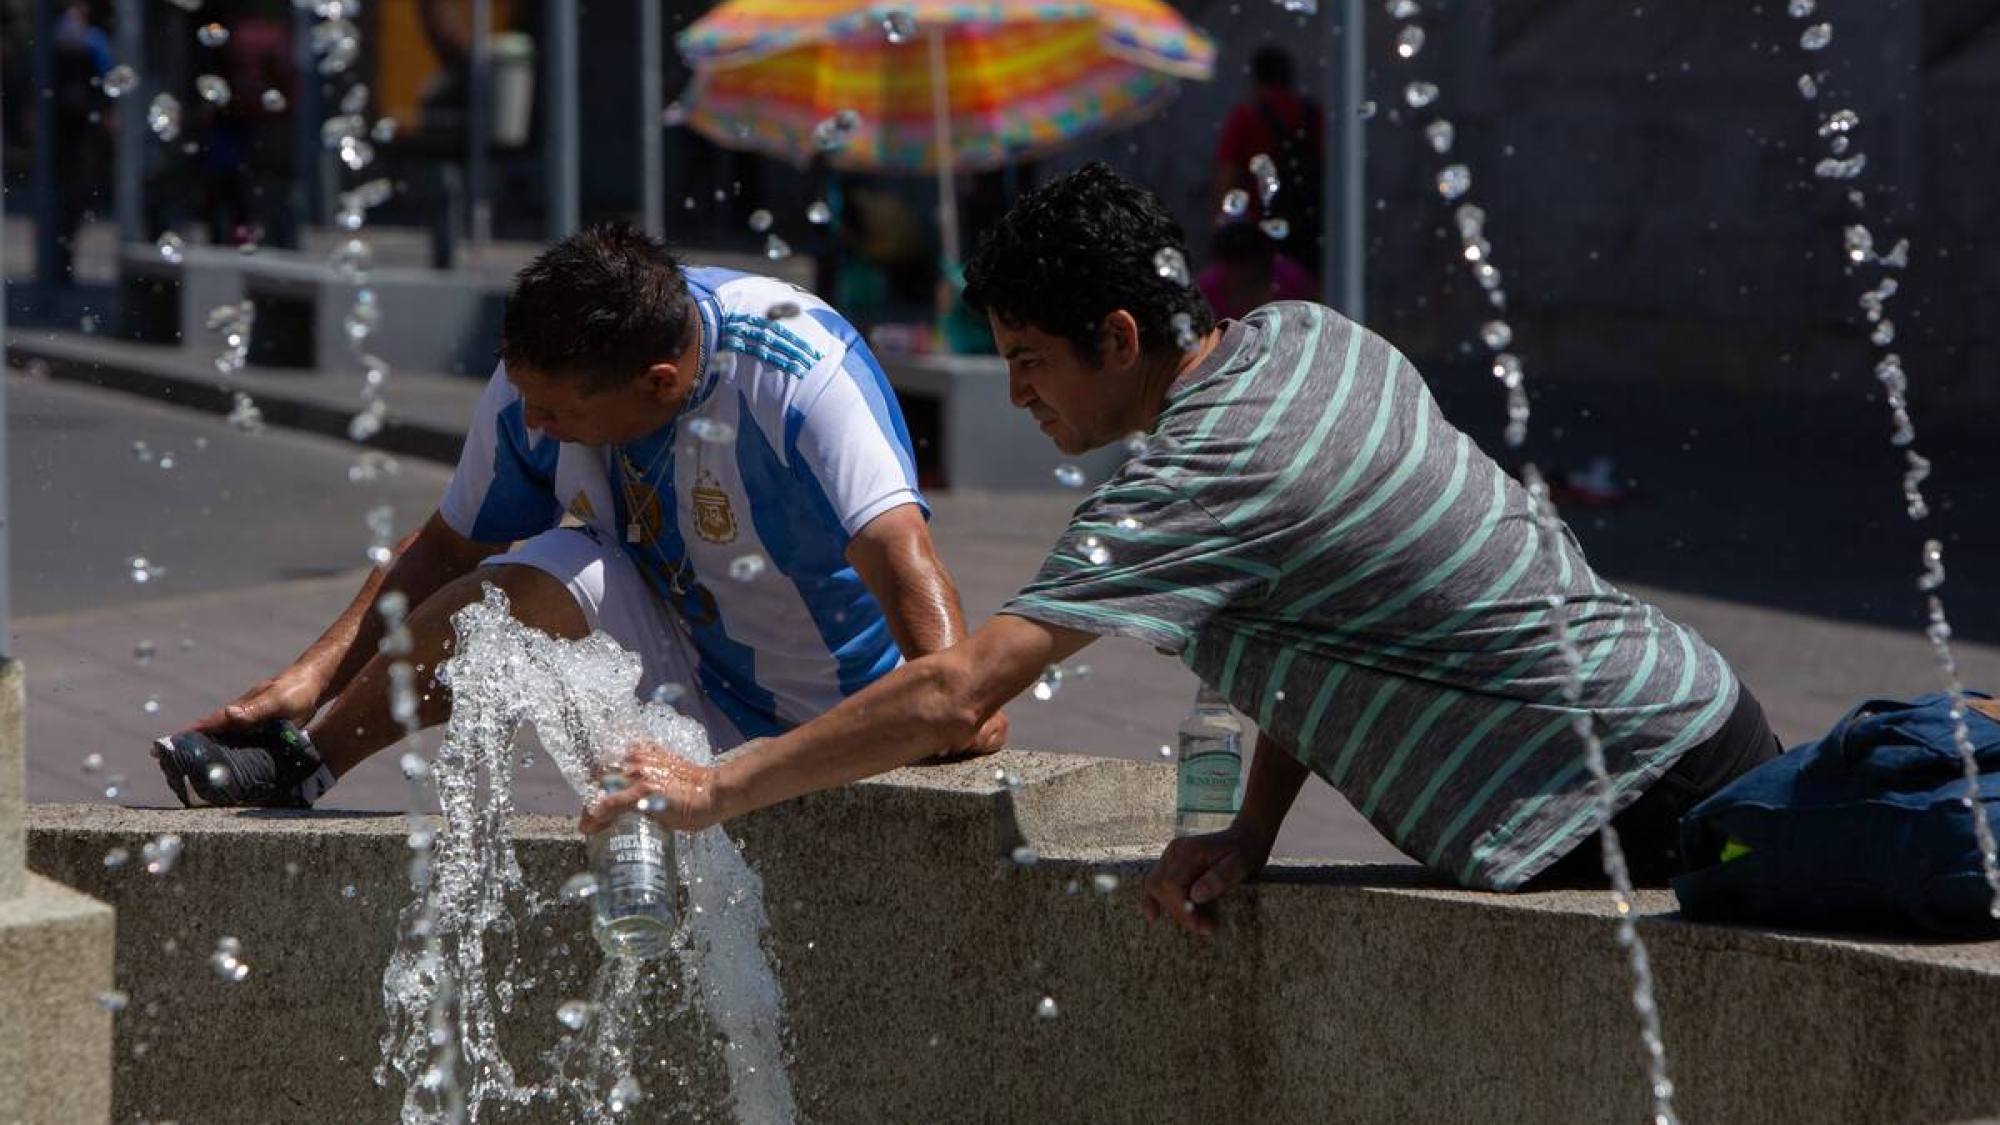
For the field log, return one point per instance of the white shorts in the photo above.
(616, 601)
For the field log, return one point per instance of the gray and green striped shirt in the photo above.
(1307, 532)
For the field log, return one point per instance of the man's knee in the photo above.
(536, 597)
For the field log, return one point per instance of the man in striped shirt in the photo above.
(1306, 531)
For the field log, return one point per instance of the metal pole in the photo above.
(562, 158)
(1342, 244)
(130, 200)
(652, 134)
(941, 137)
(6, 528)
(48, 241)
(478, 122)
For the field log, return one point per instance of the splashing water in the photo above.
(1453, 183)
(1838, 130)
(463, 929)
(1550, 528)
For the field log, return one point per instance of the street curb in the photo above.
(69, 364)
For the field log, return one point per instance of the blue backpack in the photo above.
(1866, 829)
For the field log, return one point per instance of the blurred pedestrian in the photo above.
(1279, 122)
(82, 129)
(1247, 269)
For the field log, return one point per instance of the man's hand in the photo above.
(291, 694)
(1194, 871)
(992, 739)
(675, 792)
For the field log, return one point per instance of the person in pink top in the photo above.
(1250, 270)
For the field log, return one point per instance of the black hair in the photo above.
(1271, 66)
(1075, 250)
(600, 307)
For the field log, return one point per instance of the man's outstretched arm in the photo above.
(935, 703)
(899, 564)
(424, 562)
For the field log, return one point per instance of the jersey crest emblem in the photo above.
(714, 519)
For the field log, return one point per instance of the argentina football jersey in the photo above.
(738, 515)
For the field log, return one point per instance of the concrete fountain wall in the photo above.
(913, 955)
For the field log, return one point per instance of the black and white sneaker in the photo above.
(275, 766)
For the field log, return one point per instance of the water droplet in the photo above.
(1069, 476)
(1366, 110)
(1409, 41)
(1300, 7)
(218, 775)
(833, 134)
(1884, 334)
(777, 249)
(1417, 95)
(652, 804)
(1860, 243)
(668, 694)
(573, 1014)
(746, 568)
(163, 116)
(625, 1095)
(119, 81)
(1496, 334)
(1440, 134)
(1265, 171)
(348, 891)
(1184, 334)
(1402, 9)
(1172, 266)
(161, 853)
(93, 762)
(1094, 550)
(228, 962)
(1276, 229)
(1166, 751)
(211, 35)
(760, 220)
(1104, 882)
(1048, 684)
(579, 887)
(213, 88)
(1507, 369)
(1454, 181)
(151, 706)
(1046, 1010)
(114, 786)
(273, 100)
(1800, 9)
(116, 858)
(383, 131)
(142, 570)
(818, 213)
(1235, 204)
(1025, 856)
(899, 25)
(1816, 37)
(415, 766)
(1838, 168)
(1933, 576)
(711, 430)
(781, 312)
(113, 1001)
(1808, 87)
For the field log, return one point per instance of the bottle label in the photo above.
(1211, 782)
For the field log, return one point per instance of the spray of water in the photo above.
(1454, 185)
(1846, 162)
(468, 919)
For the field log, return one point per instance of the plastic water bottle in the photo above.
(1211, 766)
(634, 910)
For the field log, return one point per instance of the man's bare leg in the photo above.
(358, 722)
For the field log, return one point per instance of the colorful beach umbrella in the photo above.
(931, 85)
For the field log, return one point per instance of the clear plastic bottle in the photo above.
(634, 912)
(1211, 766)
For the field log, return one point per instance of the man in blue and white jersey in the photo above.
(708, 466)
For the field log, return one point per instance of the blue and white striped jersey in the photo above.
(791, 443)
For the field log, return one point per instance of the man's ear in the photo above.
(1118, 339)
(662, 381)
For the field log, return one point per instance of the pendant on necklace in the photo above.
(633, 533)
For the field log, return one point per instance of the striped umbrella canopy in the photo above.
(930, 85)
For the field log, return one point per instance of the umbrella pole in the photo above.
(941, 126)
